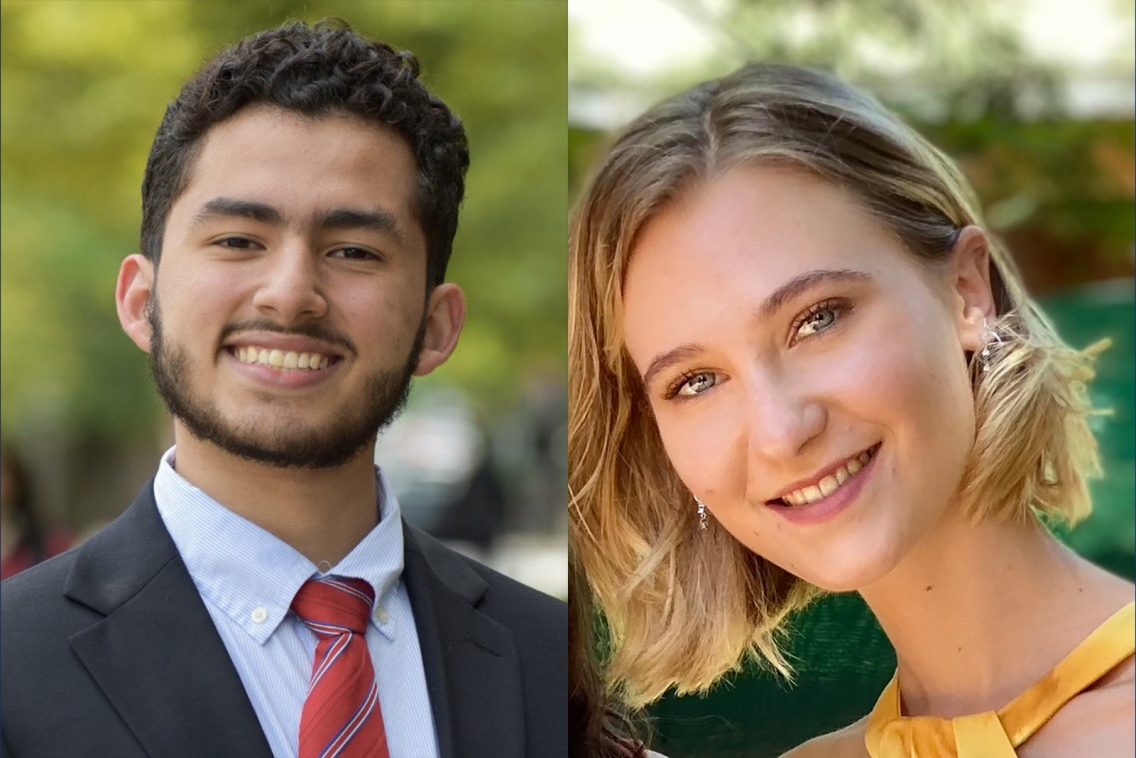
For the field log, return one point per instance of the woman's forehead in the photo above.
(767, 223)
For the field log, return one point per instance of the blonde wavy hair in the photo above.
(685, 606)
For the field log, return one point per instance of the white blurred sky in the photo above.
(640, 37)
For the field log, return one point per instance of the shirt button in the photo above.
(259, 615)
(382, 615)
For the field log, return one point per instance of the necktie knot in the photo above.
(342, 717)
(334, 606)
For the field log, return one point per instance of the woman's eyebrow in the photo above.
(663, 361)
(804, 282)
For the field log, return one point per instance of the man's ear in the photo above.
(133, 295)
(971, 295)
(445, 316)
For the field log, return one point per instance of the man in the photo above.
(262, 596)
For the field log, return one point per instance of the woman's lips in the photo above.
(829, 506)
(829, 482)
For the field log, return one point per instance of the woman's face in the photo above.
(807, 374)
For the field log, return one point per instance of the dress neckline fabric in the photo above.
(996, 734)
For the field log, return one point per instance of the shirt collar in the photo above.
(252, 575)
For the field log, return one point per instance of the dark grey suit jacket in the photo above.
(108, 651)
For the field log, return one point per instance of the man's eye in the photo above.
(235, 243)
(353, 253)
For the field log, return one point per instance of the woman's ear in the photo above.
(971, 293)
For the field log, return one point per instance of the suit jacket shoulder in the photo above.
(108, 650)
(502, 597)
(488, 643)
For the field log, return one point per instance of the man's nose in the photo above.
(292, 289)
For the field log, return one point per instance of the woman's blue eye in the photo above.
(697, 384)
(817, 322)
(821, 318)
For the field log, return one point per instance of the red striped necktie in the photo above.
(341, 717)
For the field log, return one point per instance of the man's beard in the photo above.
(333, 443)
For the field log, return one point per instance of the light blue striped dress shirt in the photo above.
(247, 578)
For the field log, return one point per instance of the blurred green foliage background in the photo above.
(84, 86)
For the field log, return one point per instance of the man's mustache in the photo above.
(310, 330)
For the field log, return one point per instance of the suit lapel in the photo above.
(472, 666)
(157, 655)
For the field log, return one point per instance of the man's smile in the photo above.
(279, 359)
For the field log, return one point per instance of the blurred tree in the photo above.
(1057, 184)
(938, 57)
(84, 85)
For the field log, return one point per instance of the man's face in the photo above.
(291, 305)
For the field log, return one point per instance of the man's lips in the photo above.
(278, 371)
(282, 352)
(284, 360)
(293, 343)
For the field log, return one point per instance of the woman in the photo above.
(798, 363)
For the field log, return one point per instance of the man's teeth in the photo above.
(282, 359)
(830, 483)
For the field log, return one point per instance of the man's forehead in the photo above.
(264, 130)
(274, 165)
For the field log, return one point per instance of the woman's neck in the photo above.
(977, 614)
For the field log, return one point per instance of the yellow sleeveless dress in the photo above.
(996, 734)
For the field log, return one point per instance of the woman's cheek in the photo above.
(703, 447)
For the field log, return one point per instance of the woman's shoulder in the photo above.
(843, 743)
(1096, 722)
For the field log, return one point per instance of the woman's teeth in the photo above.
(282, 359)
(830, 483)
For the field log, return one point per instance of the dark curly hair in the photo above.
(315, 71)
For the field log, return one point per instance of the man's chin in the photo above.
(296, 452)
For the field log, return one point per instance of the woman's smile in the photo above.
(831, 495)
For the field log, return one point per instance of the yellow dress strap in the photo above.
(1107, 647)
(995, 735)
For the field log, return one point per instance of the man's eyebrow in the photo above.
(800, 284)
(783, 294)
(227, 207)
(377, 220)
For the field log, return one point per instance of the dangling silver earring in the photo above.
(701, 514)
(990, 339)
